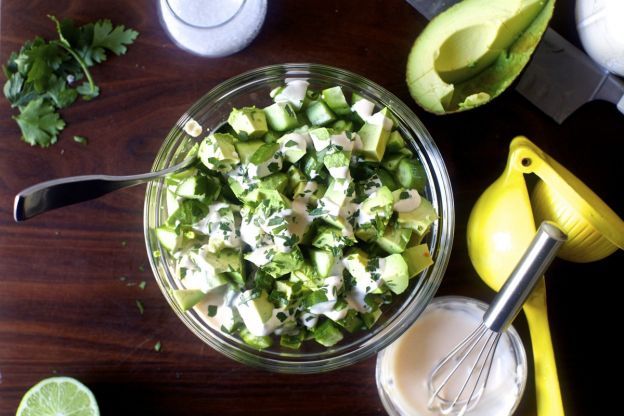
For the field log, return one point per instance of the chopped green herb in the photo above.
(140, 306)
(142, 285)
(157, 346)
(212, 310)
(142, 268)
(41, 76)
(81, 140)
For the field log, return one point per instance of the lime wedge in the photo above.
(58, 396)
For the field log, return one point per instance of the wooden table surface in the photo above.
(66, 310)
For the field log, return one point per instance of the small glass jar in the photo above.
(396, 375)
(212, 28)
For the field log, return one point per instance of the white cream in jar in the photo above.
(403, 367)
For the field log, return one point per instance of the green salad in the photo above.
(298, 221)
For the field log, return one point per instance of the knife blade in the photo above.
(559, 78)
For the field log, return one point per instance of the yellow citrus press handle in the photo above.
(548, 394)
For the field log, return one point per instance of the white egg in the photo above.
(600, 24)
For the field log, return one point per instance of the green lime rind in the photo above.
(58, 396)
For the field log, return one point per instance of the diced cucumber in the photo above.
(254, 341)
(281, 117)
(319, 114)
(391, 162)
(292, 341)
(342, 125)
(335, 99)
(411, 175)
(351, 322)
(395, 142)
(327, 334)
(323, 261)
(371, 318)
(168, 238)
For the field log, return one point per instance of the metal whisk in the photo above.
(458, 381)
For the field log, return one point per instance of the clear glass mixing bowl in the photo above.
(252, 88)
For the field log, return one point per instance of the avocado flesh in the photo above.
(470, 53)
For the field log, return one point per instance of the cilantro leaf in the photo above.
(40, 62)
(39, 123)
(59, 93)
(113, 39)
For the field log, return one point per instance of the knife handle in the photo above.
(612, 90)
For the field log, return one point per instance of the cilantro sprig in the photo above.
(43, 76)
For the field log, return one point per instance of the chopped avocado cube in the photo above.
(395, 274)
(351, 322)
(281, 116)
(331, 238)
(168, 237)
(411, 174)
(386, 112)
(395, 239)
(419, 219)
(313, 164)
(248, 122)
(307, 275)
(295, 177)
(246, 149)
(337, 163)
(293, 146)
(277, 181)
(292, 341)
(316, 297)
(418, 259)
(323, 261)
(187, 298)
(339, 191)
(374, 139)
(217, 152)
(286, 287)
(284, 263)
(255, 309)
(320, 138)
(258, 342)
(357, 263)
(265, 161)
(319, 114)
(375, 211)
(327, 334)
(395, 142)
(335, 99)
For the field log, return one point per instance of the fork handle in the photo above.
(58, 193)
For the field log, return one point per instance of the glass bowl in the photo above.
(252, 88)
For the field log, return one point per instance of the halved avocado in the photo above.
(472, 52)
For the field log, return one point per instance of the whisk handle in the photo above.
(536, 259)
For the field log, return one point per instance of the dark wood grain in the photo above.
(65, 308)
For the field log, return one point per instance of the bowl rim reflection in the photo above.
(440, 237)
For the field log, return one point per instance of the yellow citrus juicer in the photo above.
(502, 224)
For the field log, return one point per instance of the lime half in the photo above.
(58, 396)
